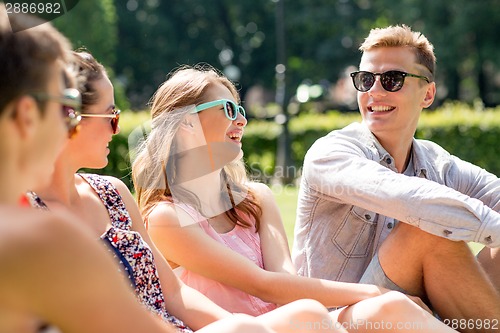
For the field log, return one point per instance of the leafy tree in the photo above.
(159, 36)
(92, 24)
(321, 40)
(464, 36)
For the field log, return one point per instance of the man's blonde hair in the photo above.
(403, 36)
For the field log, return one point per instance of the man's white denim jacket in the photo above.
(351, 196)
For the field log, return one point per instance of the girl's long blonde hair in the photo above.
(154, 166)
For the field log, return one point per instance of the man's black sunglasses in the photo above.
(391, 80)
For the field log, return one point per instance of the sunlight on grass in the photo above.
(286, 197)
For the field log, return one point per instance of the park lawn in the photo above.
(286, 197)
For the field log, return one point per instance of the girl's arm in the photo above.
(186, 303)
(190, 247)
(274, 243)
(276, 254)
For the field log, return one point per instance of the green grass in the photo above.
(286, 197)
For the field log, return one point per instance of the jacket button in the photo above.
(367, 216)
(390, 225)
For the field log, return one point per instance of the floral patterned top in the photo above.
(128, 246)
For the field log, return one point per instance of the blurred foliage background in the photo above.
(143, 40)
(291, 59)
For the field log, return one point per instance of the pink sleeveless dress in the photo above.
(245, 241)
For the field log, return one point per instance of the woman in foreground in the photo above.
(53, 271)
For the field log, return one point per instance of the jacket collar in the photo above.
(420, 164)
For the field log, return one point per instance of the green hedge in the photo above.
(471, 134)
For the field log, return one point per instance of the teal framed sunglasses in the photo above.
(230, 108)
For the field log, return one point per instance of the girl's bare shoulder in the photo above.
(261, 191)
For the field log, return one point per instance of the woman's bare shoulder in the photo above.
(35, 243)
(174, 215)
(30, 232)
(18, 224)
(117, 183)
(261, 191)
